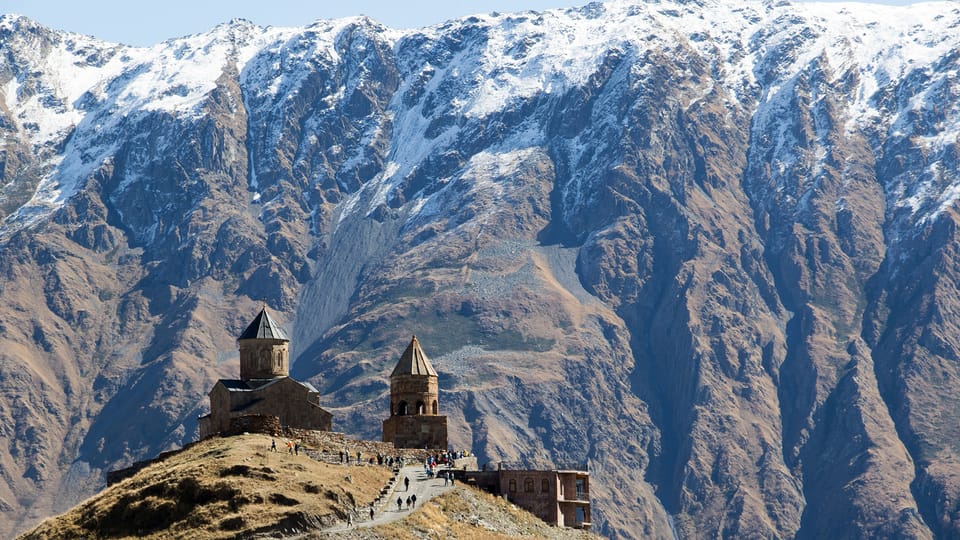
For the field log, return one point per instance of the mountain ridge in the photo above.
(709, 240)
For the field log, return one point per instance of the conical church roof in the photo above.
(413, 361)
(264, 327)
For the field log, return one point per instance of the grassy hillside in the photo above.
(467, 514)
(237, 488)
(221, 488)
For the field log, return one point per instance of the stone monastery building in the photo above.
(266, 396)
(265, 399)
(265, 388)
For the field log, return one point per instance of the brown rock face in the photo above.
(718, 263)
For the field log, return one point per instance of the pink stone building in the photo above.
(558, 497)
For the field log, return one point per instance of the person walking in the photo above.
(399, 504)
(273, 445)
(413, 499)
(408, 503)
(406, 484)
(371, 513)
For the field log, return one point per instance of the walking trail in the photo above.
(425, 489)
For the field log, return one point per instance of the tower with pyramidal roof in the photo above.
(263, 349)
(265, 388)
(415, 420)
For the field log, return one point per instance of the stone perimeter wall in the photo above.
(253, 423)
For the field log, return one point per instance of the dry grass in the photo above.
(467, 514)
(221, 488)
(236, 488)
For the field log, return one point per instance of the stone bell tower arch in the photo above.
(415, 420)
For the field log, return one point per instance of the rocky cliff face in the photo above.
(709, 247)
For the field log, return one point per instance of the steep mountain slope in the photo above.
(707, 246)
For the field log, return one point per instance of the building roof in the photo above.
(413, 361)
(249, 385)
(253, 385)
(264, 327)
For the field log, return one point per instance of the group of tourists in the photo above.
(293, 447)
(390, 461)
(447, 458)
(411, 502)
(345, 456)
(447, 477)
(431, 463)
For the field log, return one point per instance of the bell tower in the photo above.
(263, 349)
(415, 420)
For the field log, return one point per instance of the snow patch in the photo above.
(88, 89)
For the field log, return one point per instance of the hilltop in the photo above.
(237, 487)
(222, 488)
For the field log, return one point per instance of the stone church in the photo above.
(415, 420)
(265, 388)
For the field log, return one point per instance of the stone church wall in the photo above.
(292, 403)
(416, 431)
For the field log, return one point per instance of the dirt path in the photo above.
(424, 488)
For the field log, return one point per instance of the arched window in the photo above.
(435, 409)
(513, 486)
(402, 408)
(528, 485)
(545, 485)
(421, 408)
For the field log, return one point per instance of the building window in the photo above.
(435, 409)
(513, 486)
(528, 485)
(545, 485)
(402, 408)
(581, 489)
(420, 407)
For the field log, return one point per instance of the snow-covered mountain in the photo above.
(706, 245)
